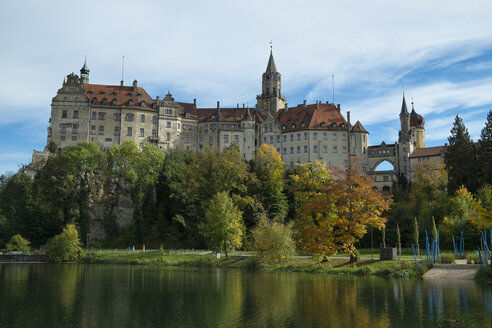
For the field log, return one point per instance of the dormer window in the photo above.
(283, 127)
(113, 102)
(323, 124)
(94, 100)
(302, 124)
(342, 125)
(142, 104)
(334, 125)
(130, 103)
(293, 126)
(105, 101)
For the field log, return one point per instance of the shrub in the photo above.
(472, 258)
(273, 241)
(17, 243)
(447, 258)
(65, 246)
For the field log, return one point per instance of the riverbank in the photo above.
(338, 266)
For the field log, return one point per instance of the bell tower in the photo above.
(84, 73)
(271, 99)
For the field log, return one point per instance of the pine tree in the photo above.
(461, 159)
(485, 152)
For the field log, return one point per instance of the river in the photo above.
(78, 295)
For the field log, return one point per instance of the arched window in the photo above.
(113, 102)
(142, 104)
(94, 100)
(105, 101)
(130, 103)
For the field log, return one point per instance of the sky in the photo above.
(438, 52)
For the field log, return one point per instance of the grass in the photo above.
(484, 275)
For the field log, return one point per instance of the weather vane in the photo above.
(271, 45)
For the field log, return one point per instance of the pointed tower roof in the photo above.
(271, 64)
(84, 68)
(404, 110)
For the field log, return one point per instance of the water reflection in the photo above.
(144, 296)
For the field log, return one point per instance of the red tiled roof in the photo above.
(122, 95)
(312, 117)
(226, 114)
(429, 151)
(358, 127)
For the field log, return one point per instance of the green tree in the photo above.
(415, 232)
(461, 159)
(64, 247)
(273, 240)
(434, 229)
(223, 227)
(17, 243)
(485, 152)
(270, 171)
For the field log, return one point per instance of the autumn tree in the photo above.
(334, 213)
(223, 227)
(270, 171)
(461, 159)
(273, 240)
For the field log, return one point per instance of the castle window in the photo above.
(76, 99)
(226, 138)
(334, 125)
(206, 127)
(266, 128)
(335, 149)
(285, 151)
(113, 102)
(293, 126)
(116, 131)
(187, 139)
(298, 136)
(278, 150)
(271, 139)
(271, 128)
(291, 137)
(75, 114)
(334, 136)
(142, 132)
(75, 129)
(130, 103)
(323, 124)
(267, 90)
(325, 149)
(116, 117)
(129, 117)
(264, 139)
(101, 130)
(342, 125)
(305, 149)
(302, 124)
(154, 119)
(142, 118)
(154, 105)
(168, 124)
(102, 115)
(201, 141)
(142, 104)
(64, 113)
(404, 149)
(344, 149)
(74, 138)
(292, 150)
(285, 138)
(298, 149)
(154, 133)
(211, 140)
(129, 131)
(274, 91)
(278, 138)
(305, 136)
(315, 136)
(105, 102)
(344, 136)
(94, 100)
(63, 128)
(93, 129)
(236, 138)
(315, 149)
(364, 138)
(283, 127)
(364, 150)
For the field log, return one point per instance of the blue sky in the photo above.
(439, 52)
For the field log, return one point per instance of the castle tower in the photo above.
(84, 74)
(404, 135)
(417, 130)
(271, 99)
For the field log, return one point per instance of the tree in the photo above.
(333, 214)
(223, 227)
(270, 171)
(483, 206)
(17, 243)
(434, 229)
(64, 247)
(398, 235)
(461, 159)
(430, 179)
(415, 232)
(273, 240)
(485, 151)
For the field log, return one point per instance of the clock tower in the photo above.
(271, 99)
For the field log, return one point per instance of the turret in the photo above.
(404, 122)
(271, 99)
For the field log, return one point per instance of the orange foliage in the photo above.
(335, 208)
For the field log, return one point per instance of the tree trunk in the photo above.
(225, 250)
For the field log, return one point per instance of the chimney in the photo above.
(134, 85)
(237, 105)
(121, 83)
(194, 101)
(327, 102)
(348, 118)
(304, 103)
(218, 104)
(317, 105)
(243, 105)
(286, 108)
(338, 107)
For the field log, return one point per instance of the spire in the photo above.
(271, 63)
(404, 110)
(413, 109)
(84, 73)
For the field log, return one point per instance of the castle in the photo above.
(111, 114)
